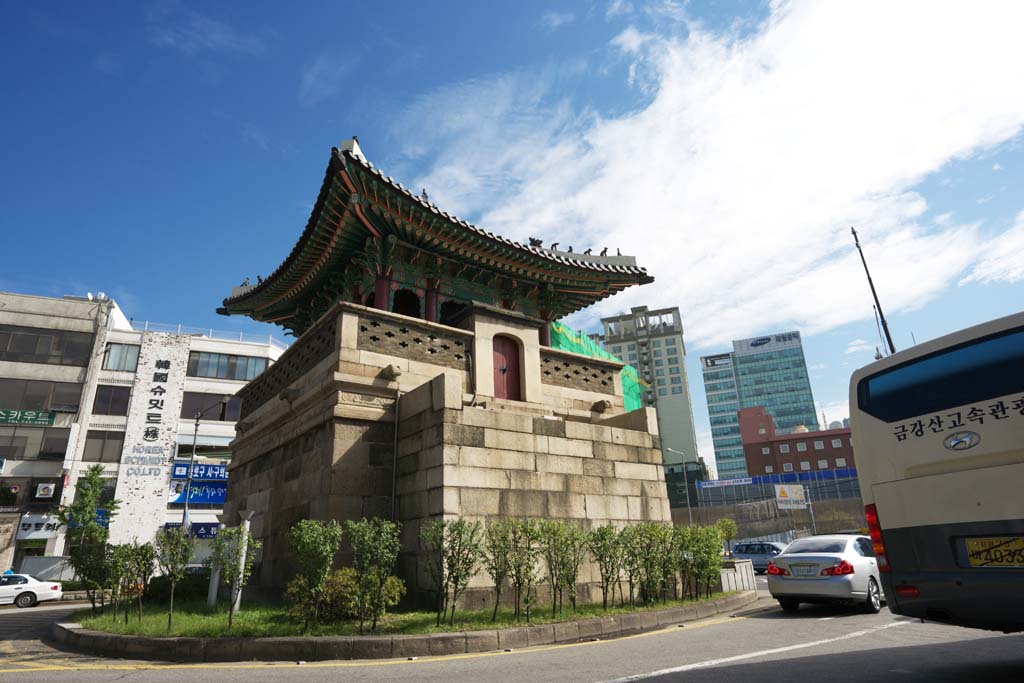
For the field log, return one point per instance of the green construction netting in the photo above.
(633, 387)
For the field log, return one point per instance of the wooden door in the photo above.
(506, 369)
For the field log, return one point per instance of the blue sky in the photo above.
(161, 152)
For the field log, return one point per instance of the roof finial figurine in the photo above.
(423, 195)
(259, 279)
(604, 252)
(245, 282)
(618, 252)
(570, 248)
(554, 246)
(589, 251)
(535, 242)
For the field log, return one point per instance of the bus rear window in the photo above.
(970, 373)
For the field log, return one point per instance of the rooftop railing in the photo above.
(265, 339)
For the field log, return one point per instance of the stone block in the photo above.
(589, 629)
(607, 507)
(560, 464)
(549, 426)
(515, 441)
(432, 457)
(513, 638)
(670, 617)
(650, 456)
(475, 477)
(621, 487)
(498, 419)
(538, 481)
(479, 502)
(585, 484)
(598, 468)
(630, 622)
(615, 452)
(434, 477)
(587, 431)
(371, 647)
(496, 458)
(442, 644)
(567, 632)
(523, 504)
(481, 641)
(462, 435)
(221, 650)
(566, 505)
(410, 646)
(628, 470)
(574, 447)
(540, 635)
(649, 620)
(610, 626)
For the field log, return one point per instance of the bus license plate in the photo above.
(1004, 551)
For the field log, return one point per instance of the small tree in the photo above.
(707, 550)
(143, 564)
(606, 548)
(462, 557)
(314, 543)
(432, 545)
(728, 529)
(121, 576)
(86, 536)
(497, 546)
(629, 539)
(685, 557)
(375, 546)
(575, 553)
(174, 549)
(228, 547)
(524, 550)
(551, 535)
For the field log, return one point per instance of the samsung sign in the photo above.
(761, 341)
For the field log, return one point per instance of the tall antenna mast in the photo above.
(885, 326)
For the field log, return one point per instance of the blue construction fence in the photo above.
(820, 485)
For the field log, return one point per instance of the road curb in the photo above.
(313, 648)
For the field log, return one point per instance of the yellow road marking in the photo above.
(145, 666)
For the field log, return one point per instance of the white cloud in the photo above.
(1004, 258)
(997, 167)
(706, 450)
(857, 346)
(835, 411)
(736, 183)
(173, 25)
(816, 366)
(552, 21)
(321, 79)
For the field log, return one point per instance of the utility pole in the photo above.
(885, 326)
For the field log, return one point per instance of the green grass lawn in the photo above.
(194, 618)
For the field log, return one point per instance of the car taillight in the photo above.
(777, 571)
(841, 568)
(907, 591)
(875, 531)
(55, 588)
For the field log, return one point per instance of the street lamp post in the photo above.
(686, 483)
(223, 403)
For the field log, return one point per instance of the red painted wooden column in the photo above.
(545, 334)
(381, 292)
(430, 300)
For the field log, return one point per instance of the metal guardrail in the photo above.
(269, 340)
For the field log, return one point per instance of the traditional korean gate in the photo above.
(506, 369)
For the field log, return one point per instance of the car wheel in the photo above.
(25, 600)
(789, 604)
(873, 603)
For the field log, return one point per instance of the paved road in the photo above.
(818, 643)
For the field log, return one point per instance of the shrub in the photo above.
(497, 546)
(375, 546)
(606, 548)
(314, 544)
(524, 550)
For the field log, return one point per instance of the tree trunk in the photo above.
(170, 610)
(497, 599)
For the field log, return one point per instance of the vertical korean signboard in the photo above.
(150, 438)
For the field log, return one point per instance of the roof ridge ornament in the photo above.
(352, 146)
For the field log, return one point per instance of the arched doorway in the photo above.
(507, 375)
(406, 303)
(369, 300)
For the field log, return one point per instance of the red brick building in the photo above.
(800, 451)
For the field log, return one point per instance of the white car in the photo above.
(26, 591)
(822, 569)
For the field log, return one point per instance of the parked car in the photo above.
(839, 568)
(760, 553)
(26, 591)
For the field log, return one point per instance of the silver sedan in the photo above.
(821, 569)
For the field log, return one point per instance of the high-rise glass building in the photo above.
(765, 371)
(652, 342)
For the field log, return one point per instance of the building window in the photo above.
(31, 443)
(768, 469)
(787, 467)
(659, 362)
(677, 380)
(37, 345)
(670, 341)
(837, 443)
(661, 382)
(766, 450)
(101, 446)
(819, 445)
(673, 371)
(672, 351)
(223, 366)
(840, 462)
(677, 390)
(111, 400)
(783, 448)
(632, 347)
(657, 352)
(801, 446)
(659, 372)
(31, 394)
(632, 357)
(823, 464)
(616, 349)
(122, 357)
(656, 342)
(662, 392)
(210, 405)
(805, 465)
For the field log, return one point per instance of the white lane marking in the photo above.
(825, 618)
(760, 653)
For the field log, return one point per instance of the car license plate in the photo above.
(1002, 551)
(803, 569)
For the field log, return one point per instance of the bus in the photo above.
(938, 436)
